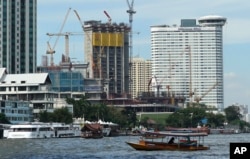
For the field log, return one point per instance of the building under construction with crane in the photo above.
(108, 68)
(106, 50)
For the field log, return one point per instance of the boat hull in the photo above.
(152, 146)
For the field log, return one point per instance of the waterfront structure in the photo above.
(17, 111)
(68, 79)
(189, 59)
(18, 36)
(141, 75)
(107, 51)
(32, 87)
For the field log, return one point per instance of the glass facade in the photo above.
(67, 81)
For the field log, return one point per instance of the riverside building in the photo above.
(189, 59)
(18, 34)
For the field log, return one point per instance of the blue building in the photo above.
(17, 111)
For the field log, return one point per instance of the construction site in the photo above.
(106, 71)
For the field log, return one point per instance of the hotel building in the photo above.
(188, 59)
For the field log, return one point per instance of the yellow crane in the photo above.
(51, 50)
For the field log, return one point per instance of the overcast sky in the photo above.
(51, 14)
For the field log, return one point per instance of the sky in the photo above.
(236, 40)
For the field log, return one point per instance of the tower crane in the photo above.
(79, 18)
(51, 50)
(198, 99)
(188, 48)
(89, 38)
(158, 84)
(67, 34)
(131, 11)
(109, 18)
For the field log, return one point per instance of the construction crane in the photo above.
(67, 34)
(51, 50)
(153, 81)
(109, 18)
(79, 18)
(88, 38)
(131, 12)
(158, 84)
(188, 49)
(198, 99)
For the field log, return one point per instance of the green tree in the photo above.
(188, 117)
(215, 120)
(81, 107)
(3, 119)
(232, 113)
(62, 115)
(130, 116)
(45, 116)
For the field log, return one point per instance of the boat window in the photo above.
(61, 128)
(23, 129)
(45, 129)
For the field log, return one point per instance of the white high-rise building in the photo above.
(188, 59)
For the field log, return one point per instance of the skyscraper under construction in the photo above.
(106, 48)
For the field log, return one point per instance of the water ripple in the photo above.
(108, 148)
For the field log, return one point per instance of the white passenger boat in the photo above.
(62, 130)
(43, 130)
(30, 131)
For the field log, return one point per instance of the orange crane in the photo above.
(198, 99)
(51, 50)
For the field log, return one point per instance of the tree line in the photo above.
(126, 117)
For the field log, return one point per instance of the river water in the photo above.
(109, 148)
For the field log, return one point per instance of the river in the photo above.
(109, 148)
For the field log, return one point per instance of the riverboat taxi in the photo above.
(150, 141)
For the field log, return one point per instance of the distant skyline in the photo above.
(148, 13)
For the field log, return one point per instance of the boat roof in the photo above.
(28, 126)
(176, 134)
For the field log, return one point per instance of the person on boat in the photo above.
(171, 141)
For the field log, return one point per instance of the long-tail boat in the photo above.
(170, 141)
